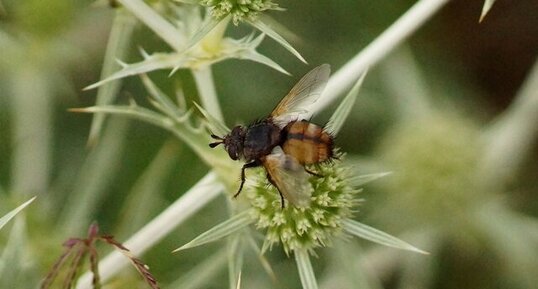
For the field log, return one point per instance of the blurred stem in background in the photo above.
(118, 45)
(32, 110)
(512, 136)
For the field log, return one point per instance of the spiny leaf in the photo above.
(363, 179)
(273, 34)
(341, 113)
(253, 55)
(216, 126)
(366, 232)
(7, 217)
(133, 111)
(207, 26)
(155, 62)
(118, 44)
(485, 9)
(220, 231)
(306, 273)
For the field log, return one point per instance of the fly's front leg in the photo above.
(245, 166)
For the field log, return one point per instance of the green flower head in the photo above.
(240, 10)
(333, 200)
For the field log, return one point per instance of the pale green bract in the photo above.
(7, 217)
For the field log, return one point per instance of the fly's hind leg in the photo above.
(282, 204)
(245, 166)
(313, 173)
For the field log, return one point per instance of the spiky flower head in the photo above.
(436, 163)
(240, 10)
(333, 200)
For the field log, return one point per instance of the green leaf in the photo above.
(209, 24)
(366, 232)
(306, 273)
(485, 9)
(273, 34)
(15, 260)
(203, 273)
(117, 47)
(363, 179)
(264, 262)
(342, 112)
(215, 126)
(236, 255)
(220, 231)
(153, 62)
(253, 55)
(166, 105)
(7, 217)
(133, 111)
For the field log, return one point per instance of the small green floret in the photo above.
(240, 10)
(332, 201)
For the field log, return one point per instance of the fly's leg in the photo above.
(282, 204)
(313, 173)
(245, 166)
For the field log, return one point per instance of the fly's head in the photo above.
(233, 142)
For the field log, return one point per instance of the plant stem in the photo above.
(155, 22)
(117, 48)
(206, 89)
(400, 30)
(198, 196)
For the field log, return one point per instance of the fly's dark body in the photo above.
(282, 144)
(260, 139)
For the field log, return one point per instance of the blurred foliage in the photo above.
(50, 50)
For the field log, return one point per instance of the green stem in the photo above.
(206, 88)
(155, 22)
(117, 48)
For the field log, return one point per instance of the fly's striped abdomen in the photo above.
(307, 142)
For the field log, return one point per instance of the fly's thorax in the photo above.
(307, 142)
(260, 139)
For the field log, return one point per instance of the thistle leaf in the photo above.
(154, 62)
(220, 231)
(215, 126)
(306, 273)
(7, 217)
(207, 27)
(203, 273)
(273, 34)
(363, 179)
(118, 44)
(366, 232)
(253, 55)
(485, 9)
(344, 109)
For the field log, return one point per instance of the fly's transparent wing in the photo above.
(289, 177)
(303, 94)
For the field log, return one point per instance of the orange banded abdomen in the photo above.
(307, 142)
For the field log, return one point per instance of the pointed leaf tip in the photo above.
(344, 109)
(275, 36)
(369, 233)
(7, 217)
(485, 9)
(220, 231)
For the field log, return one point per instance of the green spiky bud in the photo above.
(434, 161)
(240, 10)
(332, 201)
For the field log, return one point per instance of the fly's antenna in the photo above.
(214, 144)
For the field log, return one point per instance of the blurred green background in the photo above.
(464, 74)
